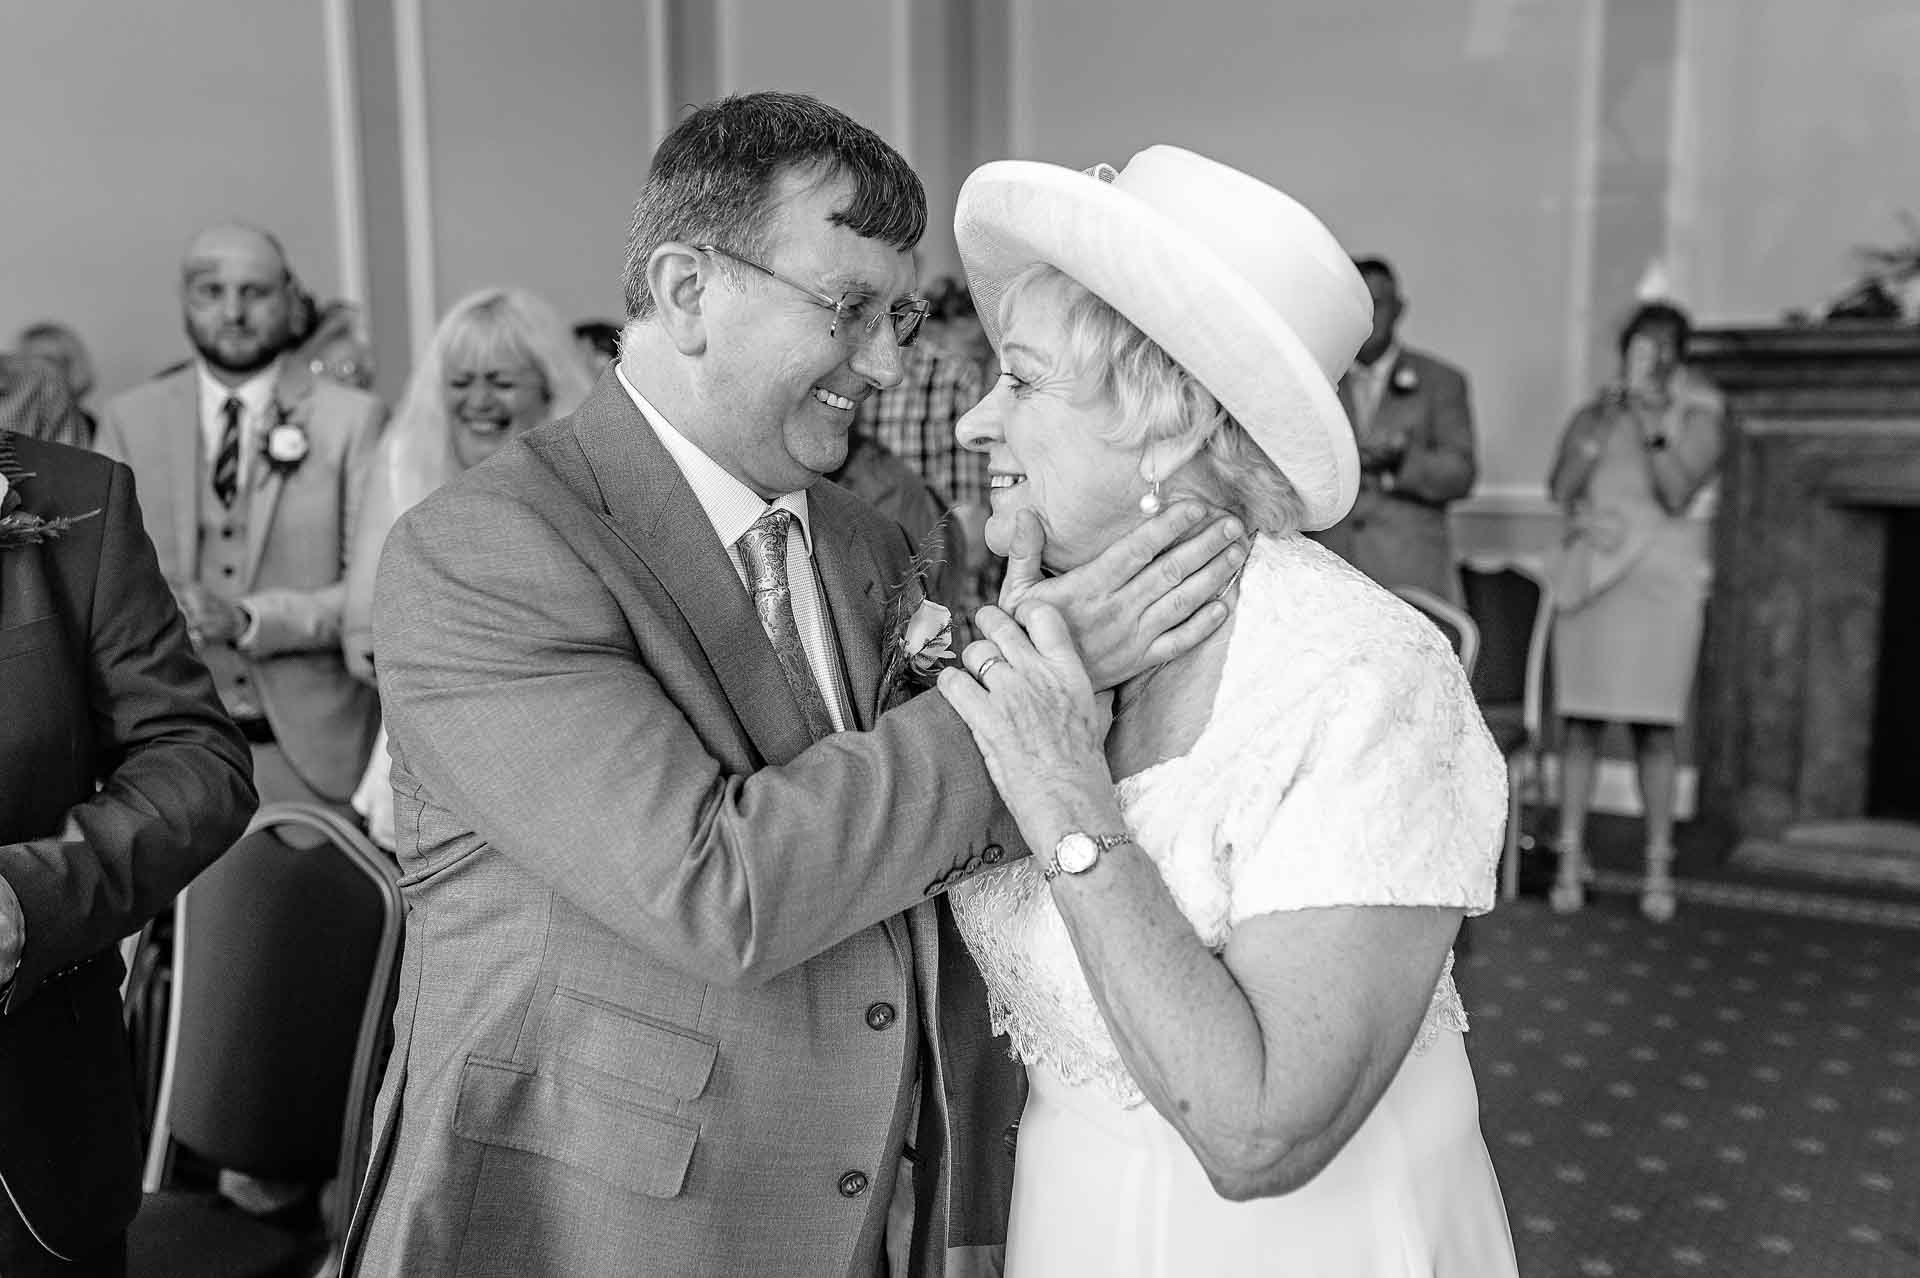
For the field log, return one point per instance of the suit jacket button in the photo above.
(853, 1184)
(880, 1016)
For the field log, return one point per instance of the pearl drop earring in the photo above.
(1150, 504)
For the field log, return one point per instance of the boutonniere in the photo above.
(1405, 380)
(19, 527)
(917, 632)
(286, 445)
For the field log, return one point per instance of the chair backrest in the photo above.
(1455, 624)
(1513, 607)
(284, 952)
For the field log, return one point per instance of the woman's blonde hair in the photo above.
(490, 322)
(1156, 400)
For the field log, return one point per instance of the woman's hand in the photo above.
(1026, 697)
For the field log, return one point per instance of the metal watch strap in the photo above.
(1102, 843)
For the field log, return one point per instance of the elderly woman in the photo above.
(1630, 589)
(500, 364)
(1227, 963)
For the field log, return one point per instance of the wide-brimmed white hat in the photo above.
(1239, 283)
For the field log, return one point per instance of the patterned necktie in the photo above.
(766, 557)
(226, 462)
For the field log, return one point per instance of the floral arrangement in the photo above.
(20, 527)
(918, 633)
(1888, 287)
(1405, 380)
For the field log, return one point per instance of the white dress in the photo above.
(1344, 764)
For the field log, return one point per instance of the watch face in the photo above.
(1076, 853)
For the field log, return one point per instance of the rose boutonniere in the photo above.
(1405, 380)
(918, 633)
(20, 527)
(286, 444)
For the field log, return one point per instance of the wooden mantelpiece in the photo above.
(1823, 442)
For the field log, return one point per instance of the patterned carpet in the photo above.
(1735, 1093)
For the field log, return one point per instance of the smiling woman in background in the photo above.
(500, 364)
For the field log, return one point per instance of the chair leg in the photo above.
(1510, 854)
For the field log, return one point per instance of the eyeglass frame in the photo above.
(917, 307)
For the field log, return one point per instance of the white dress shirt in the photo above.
(256, 398)
(1369, 385)
(733, 507)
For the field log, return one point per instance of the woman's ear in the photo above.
(1161, 458)
(678, 276)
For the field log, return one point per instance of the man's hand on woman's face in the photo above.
(1146, 599)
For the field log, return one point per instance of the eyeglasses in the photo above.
(855, 316)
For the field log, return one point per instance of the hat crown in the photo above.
(1271, 241)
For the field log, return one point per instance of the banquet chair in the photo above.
(284, 959)
(1514, 610)
(1456, 625)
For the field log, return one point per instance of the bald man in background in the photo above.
(249, 473)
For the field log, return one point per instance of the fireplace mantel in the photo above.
(1823, 443)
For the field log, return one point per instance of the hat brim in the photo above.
(1013, 214)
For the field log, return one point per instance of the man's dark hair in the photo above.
(1657, 315)
(712, 179)
(604, 336)
(1379, 266)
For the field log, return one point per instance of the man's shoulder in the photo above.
(1431, 366)
(61, 467)
(333, 402)
(152, 396)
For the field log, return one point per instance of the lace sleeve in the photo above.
(1382, 787)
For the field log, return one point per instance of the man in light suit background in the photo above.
(250, 471)
(681, 988)
(1414, 425)
(120, 779)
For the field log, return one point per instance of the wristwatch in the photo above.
(1077, 852)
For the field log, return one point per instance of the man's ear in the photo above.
(678, 276)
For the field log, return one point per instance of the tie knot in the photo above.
(233, 407)
(766, 546)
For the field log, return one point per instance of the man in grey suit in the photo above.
(681, 991)
(1414, 426)
(249, 476)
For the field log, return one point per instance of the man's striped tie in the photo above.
(226, 462)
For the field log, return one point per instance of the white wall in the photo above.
(130, 126)
(1413, 131)
(540, 124)
(1795, 145)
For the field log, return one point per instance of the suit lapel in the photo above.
(263, 500)
(648, 503)
(854, 599)
(186, 466)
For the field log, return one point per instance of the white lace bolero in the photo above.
(1344, 763)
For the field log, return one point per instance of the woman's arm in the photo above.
(1267, 1058)
(1580, 447)
(1687, 451)
(1264, 1063)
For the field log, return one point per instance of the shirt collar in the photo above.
(254, 393)
(1380, 367)
(731, 506)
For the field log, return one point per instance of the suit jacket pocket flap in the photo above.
(630, 1047)
(637, 1149)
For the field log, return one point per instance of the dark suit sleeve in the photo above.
(1439, 466)
(176, 778)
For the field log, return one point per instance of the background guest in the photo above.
(1414, 427)
(61, 347)
(339, 347)
(914, 422)
(120, 779)
(35, 402)
(252, 468)
(500, 363)
(1631, 583)
(599, 342)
